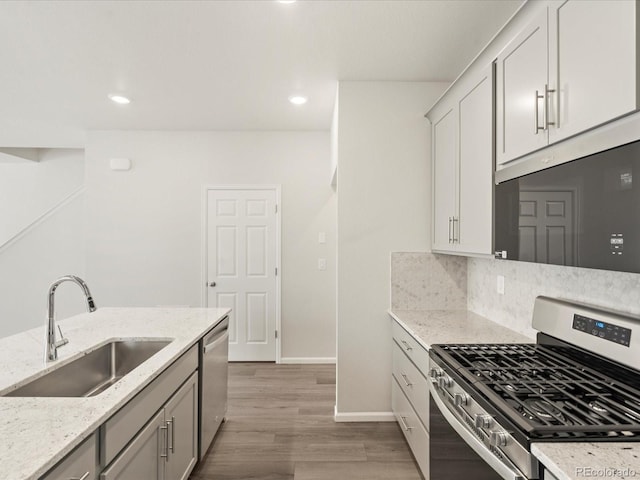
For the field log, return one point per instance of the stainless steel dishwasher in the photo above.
(214, 350)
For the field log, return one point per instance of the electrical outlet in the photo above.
(322, 264)
(500, 285)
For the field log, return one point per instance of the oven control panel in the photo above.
(604, 330)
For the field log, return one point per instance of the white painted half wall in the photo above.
(48, 193)
(30, 189)
(384, 205)
(144, 237)
(54, 247)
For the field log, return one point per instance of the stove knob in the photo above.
(460, 399)
(498, 439)
(483, 421)
(444, 382)
(435, 373)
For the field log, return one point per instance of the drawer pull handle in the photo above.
(83, 477)
(406, 380)
(406, 345)
(406, 427)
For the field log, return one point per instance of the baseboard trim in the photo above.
(363, 416)
(303, 360)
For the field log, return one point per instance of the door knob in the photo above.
(212, 284)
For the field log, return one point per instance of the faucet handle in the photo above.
(63, 340)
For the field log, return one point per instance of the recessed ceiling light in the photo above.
(286, 1)
(121, 99)
(298, 99)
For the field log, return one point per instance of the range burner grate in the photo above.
(549, 394)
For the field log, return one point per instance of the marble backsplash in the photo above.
(426, 281)
(525, 281)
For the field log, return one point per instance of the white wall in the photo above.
(384, 205)
(144, 239)
(46, 250)
(334, 140)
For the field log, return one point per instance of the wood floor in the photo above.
(280, 427)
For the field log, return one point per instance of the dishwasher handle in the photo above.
(219, 335)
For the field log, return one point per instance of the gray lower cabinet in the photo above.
(167, 447)
(141, 459)
(181, 415)
(81, 464)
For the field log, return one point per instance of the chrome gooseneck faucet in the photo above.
(52, 344)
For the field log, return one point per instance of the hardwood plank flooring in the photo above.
(280, 427)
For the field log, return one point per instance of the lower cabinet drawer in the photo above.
(81, 464)
(413, 384)
(409, 345)
(413, 430)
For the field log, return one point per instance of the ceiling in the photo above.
(217, 65)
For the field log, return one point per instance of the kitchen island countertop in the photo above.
(36, 433)
(565, 460)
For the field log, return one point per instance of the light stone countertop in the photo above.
(431, 327)
(566, 460)
(595, 461)
(35, 433)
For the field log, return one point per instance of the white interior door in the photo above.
(242, 257)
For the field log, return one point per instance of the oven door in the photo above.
(455, 452)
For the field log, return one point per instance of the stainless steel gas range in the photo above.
(489, 402)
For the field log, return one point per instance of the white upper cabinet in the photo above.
(521, 76)
(444, 137)
(571, 69)
(474, 228)
(592, 63)
(462, 137)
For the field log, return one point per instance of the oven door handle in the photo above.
(478, 446)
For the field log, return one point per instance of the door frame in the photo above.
(204, 260)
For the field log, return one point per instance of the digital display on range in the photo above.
(604, 330)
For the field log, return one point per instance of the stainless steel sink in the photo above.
(94, 372)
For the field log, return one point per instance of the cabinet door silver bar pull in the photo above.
(449, 229)
(406, 380)
(165, 437)
(406, 345)
(537, 113)
(406, 427)
(455, 238)
(547, 106)
(173, 434)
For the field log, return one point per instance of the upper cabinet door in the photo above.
(592, 63)
(520, 86)
(474, 227)
(444, 141)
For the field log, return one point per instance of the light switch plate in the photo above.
(322, 237)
